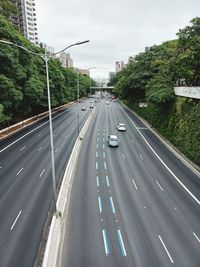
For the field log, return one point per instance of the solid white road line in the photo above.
(166, 249)
(134, 184)
(19, 171)
(175, 177)
(30, 132)
(105, 241)
(13, 225)
(22, 148)
(196, 236)
(121, 243)
(42, 172)
(159, 185)
(123, 156)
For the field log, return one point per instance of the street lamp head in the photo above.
(78, 43)
(83, 42)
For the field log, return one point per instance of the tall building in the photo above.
(119, 66)
(111, 75)
(25, 20)
(65, 60)
(83, 71)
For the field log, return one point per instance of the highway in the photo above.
(26, 182)
(134, 205)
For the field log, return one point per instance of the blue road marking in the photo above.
(100, 204)
(105, 240)
(112, 205)
(121, 243)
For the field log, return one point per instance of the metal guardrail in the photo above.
(18, 126)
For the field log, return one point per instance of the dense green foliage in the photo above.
(7, 8)
(23, 79)
(150, 77)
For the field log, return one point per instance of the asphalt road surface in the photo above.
(134, 205)
(26, 182)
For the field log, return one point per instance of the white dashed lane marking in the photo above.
(19, 171)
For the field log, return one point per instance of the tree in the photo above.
(188, 53)
(7, 8)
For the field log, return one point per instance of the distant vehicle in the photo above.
(83, 108)
(91, 101)
(96, 100)
(114, 100)
(113, 141)
(107, 102)
(121, 127)
(91, 105)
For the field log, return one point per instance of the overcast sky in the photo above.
(117, 29)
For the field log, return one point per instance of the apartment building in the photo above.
(26, 19)
(65, 60)
(83, 71)
(119, 66)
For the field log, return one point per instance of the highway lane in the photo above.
(26, 183)
(126, 208)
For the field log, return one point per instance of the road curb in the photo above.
(54, 244)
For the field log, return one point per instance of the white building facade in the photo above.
(26, 19)
(65, 60)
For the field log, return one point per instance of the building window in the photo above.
(29, 4)
(30, 14)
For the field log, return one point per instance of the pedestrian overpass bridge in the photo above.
(99, 88)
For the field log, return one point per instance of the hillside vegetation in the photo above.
(23, 89)
(150, 77)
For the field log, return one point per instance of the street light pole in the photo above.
(78, 100)
(46, 58)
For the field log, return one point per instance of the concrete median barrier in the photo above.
(53, 250)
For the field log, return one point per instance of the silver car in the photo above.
(121, 127)
(113, 141)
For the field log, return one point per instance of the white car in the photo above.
(113, 141)
(121, 127)
(107, 102)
